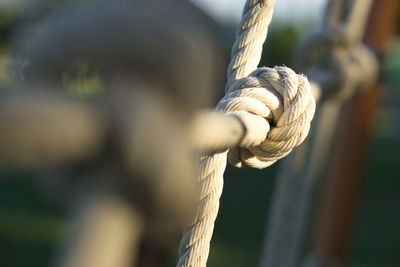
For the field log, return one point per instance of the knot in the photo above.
(276, 107)
(338, 61)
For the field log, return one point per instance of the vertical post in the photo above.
(344, 176)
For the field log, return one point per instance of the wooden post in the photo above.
(344, 176)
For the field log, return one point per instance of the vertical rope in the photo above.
(195, 243)
(247, 49)
(246, 54)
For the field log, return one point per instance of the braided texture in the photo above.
(275, 107)
(195, 243)
(247, 49)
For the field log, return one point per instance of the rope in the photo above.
(247, 49)
(344, 65)
(275, 106)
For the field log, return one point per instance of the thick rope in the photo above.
(247, 49)
(275, 106)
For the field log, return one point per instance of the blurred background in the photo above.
(33, 228)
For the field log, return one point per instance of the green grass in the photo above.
(31, 228)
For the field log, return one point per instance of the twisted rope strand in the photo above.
(195, 243)
(275, 106)
(247, 49)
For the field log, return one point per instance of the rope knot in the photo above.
(276, 107)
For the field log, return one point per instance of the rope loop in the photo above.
(276, 106)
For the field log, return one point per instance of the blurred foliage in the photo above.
(82, 80)
(282, 41)
(377, 233)
(239, 230)
(392, 64)
(30, 225)
(8, 20)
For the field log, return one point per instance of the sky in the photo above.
(230, 10)
(290, 10)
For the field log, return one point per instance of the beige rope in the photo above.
(275, 107)
(247, 49)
